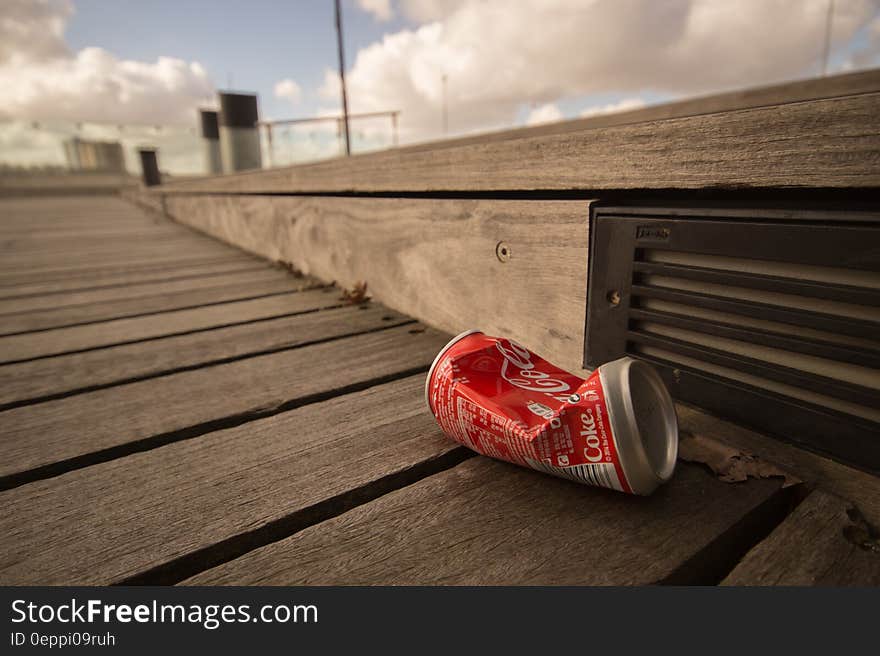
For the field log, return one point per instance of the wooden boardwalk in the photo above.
(173, 410)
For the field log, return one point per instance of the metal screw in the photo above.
(502, 251)
(613, 297)
(574, 398)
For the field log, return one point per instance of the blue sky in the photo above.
(257, 42)
(508, 62)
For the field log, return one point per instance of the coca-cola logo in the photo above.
(519, 370)
(593, 450)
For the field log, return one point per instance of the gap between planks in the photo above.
(143, 360)
(54, 437)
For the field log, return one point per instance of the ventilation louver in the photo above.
(769, 318)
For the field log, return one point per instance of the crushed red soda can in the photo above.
(616, 429)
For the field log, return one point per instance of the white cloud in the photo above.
(624, 105)
(43, 80)
(33, 30)
(425, 11)
(288, 89)
(380, 9)
(548, 113)
(500, 55)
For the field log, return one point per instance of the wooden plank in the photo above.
(84, 269)
(144, 198)
(33, 304)
(203, 399)
(34, 208)
(229, 486)
(830, 143)
(135, 253)
(93, 312)
(818, 544)
(72, 249)
(429, 258)
(75, 215)
(136, 276)
(55, 376)
(42, 185)
(80, 274)
(489, 523)
(797, 91)
(121, 331)
(860, 488)
(52, 238)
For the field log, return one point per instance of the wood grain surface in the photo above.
(820, 543)
(126, 277)
(860, 488)
(429, 258)
(90, 271)
(144, 290)
(831, 143)
(65, 374)
(40, 435)
(119, 519)
(236, 287)
(486, 522)
(119, 331)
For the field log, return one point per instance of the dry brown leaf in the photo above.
(291, 269)
(356, 295)
(729, 464)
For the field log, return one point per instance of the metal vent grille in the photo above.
(770, 318)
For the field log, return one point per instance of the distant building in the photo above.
(105, 156)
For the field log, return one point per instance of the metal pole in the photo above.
(445, 108)
(342, 76)
(827, 51)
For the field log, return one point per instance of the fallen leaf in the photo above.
(356, 295)
(291, 269)
(729, 464)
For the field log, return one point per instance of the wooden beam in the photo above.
(166, 408)
(236, 288)
(428, 258)
(65, 374)
(831, 143)
(860, 488)
(144, 290)
(44, 343)
(820, 543)
(126, 277)
(212, 497)
(833, 86)
(486, 522)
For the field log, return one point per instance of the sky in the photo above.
(506, 62)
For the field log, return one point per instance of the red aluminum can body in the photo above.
(501, 400)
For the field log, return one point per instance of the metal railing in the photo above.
(68, 146)
(294, 141)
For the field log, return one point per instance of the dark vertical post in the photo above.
(342, 77)
(239, 133)
(150, 167)
(210, 141)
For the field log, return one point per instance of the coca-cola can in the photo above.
(615, 429)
